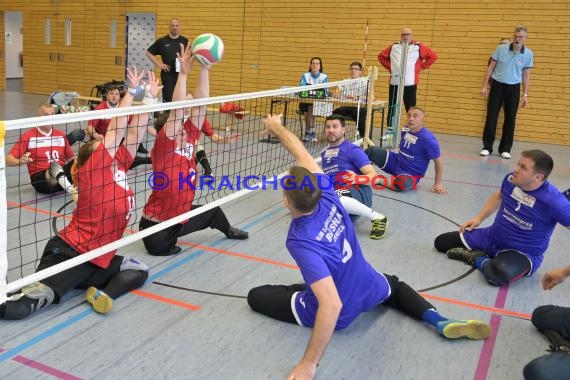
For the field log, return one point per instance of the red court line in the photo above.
(36, 210)
(43, 368)
(497, 310)
(171, 301)
(240, 255)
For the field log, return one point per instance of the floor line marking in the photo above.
(167, 300)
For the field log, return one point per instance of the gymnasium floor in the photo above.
(190, 321)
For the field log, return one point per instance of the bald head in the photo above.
(406, 35)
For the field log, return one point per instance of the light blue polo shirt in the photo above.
(510, 65)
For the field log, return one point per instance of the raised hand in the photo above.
(185, 58)
(153, 87)
(134, 76)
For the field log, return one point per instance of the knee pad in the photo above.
(134, 264)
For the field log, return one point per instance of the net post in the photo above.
(372, 76)
(3, 218)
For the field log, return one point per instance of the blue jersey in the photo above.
(339, 159)
(324, 244)
(416, 151)
(525, 219)
(510, 65)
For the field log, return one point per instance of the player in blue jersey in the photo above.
(344, 159)
(418, 146)
(339, 283)
(528, 208)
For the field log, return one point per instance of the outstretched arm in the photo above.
(491, 205)
(274, 127)
(176, 117)
(325, 322)
(202, 90)
(117, 127)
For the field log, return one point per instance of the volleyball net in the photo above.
(240, 159)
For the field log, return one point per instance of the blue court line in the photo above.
(8, 354)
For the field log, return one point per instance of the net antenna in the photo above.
(365, 44)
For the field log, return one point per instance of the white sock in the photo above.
(354, 207)
(63, 182)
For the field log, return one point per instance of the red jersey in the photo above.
(101, 125)
(193, 133)
(44, 149)
(176, 163)
(105, 204)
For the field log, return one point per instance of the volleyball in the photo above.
(208, 48)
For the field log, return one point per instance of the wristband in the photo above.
(136, 91)
(525, 95)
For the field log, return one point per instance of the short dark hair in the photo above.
(543, 163)
(303, 198)
(336, 116)
(356, 63)
(161, 120)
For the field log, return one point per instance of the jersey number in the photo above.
(346, 251)
(52, 156)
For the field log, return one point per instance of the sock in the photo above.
(354, 207)
(480, 262)
(64, 182)
(432, 317)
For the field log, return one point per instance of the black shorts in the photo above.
(304, 107)
(82, 276)
(41, 184)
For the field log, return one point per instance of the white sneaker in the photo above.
(506, 155)
(484, 152)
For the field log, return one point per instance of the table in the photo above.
(377, 106)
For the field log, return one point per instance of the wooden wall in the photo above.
(269, 44)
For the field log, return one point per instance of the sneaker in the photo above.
(379, 227)
(306, 136)
(237, 234)
(99, 300)
(465, 255)
(506, 155)
(472, 329)
(313, 136)
(55, 169)
(484, 153)
(36, 291)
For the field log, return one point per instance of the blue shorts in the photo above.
(479, 239)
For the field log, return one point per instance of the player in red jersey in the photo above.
(102, 213)
(173, 154)
(39, 148)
